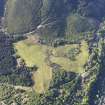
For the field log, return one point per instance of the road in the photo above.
(29, 89)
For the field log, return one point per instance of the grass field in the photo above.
(63, 50)
(34, 54)
(69, 65)
(37, 54)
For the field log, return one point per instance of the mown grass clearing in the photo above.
(34, 54)
(63, 50)
(37, 54)
(76, 65)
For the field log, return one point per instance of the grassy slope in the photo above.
(22, 15)
(35, 54)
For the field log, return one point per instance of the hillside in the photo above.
(52, 52)
(47, 75)
(54, 18)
